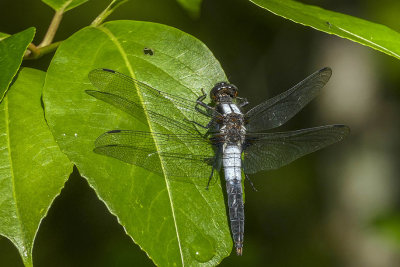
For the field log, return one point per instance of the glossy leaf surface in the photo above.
(33, 169)
(12, 50)
(174, 222)
(377, 36)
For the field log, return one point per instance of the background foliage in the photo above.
(336, 207)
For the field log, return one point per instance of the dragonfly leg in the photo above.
(242, 102)
(210, 127)
(201, 111)
(198, 124)
(211, 124)
(199, 102)
(202, 97)
(215, 166)
(209, 179)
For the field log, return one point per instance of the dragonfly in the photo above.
(199, 139)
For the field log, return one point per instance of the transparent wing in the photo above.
(279, 109)
(187, 156)
(266, 151)
(121, 91)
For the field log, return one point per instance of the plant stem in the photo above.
(51, 31)
(106, 12)
(34, 52)
(46, 46)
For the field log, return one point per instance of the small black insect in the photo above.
(148, 51)
(329, 24)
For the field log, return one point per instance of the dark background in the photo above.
(325, 209)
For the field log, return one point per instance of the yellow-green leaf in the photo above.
(370, 34)
(12, 51)
(32, 168)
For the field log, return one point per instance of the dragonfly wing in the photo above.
(137, 111)
(279, 109)
(186, 157)
(124, 104)
(266, 151)
(139, 99)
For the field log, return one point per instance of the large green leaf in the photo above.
(362, 31)
(33, 169)
(191, 6)
(12, 50)
(176, 223)
(64, 5)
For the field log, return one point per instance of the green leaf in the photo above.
(176, 223)
(374, 35)
(3, 35)
(12, 51)
(191, 6)
(33, 169)
(63, 5)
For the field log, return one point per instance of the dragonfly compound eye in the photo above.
(223, 88)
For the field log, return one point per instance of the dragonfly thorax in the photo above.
(233, 128)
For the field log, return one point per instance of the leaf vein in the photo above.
(125, 58)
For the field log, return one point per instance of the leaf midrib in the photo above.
(7, 120)
(124, 56)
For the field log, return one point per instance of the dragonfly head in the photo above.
(223, 89)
